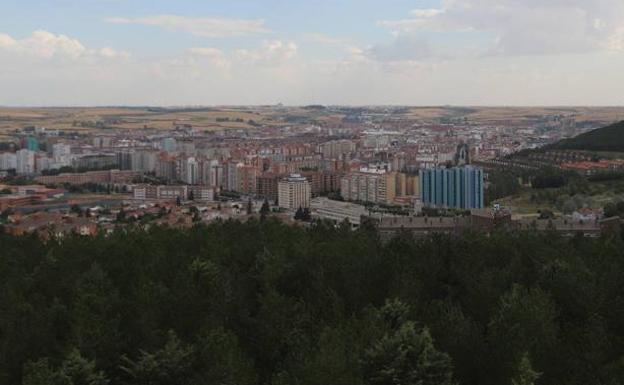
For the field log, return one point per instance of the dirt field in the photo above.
(223, 118)
(79, 119)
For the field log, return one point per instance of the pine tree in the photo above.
(265, 209)
(526, 375)
(404, 355)
(167, 366)
(74, 370)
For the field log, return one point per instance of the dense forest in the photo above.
(610, 138)
(266, 303)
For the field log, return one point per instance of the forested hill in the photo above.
(265, 303)
(610, 138)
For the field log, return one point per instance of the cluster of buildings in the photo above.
(491, 220)
(370, 161)
(287, 167)
(592, 167)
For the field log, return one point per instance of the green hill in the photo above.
(610, 138)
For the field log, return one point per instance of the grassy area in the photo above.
(594, 195)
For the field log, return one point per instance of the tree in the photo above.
(405, 355)
(249, 207)
(265, 209)
(75, 370)
(569, 206)
(170, 365)
(526, 375)
(299, 214)
(524, 321)
(75, 209)
(408, 357)
(121, 215)
(222, 361)
(6, 213)
(196, 216)
(191, 196)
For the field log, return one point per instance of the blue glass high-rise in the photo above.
(458, 187)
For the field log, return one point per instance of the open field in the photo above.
(223, 118)
(80, 119)
(486, 115)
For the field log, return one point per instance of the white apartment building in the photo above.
(294, 192)
(61, 154)
(25, 162)
(8, 161)
(191, 171)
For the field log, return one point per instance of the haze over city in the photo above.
(347, 52)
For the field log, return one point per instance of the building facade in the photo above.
(294, 192)
(369, 186)
(457, 188)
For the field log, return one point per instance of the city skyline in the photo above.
(448, 52)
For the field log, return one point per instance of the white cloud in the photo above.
(525, 27)
(53, 69)
(272, 52)
(321, 38)
(211, 27)
(6, 41)
(215, 56)
(402, 48)
(46, 45)
(616, 42)
(426, 13)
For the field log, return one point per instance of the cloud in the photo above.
(6, 41)
(211, 27)
(45, 68)
(47, 45)
(215, 56)
(528, 27)
(271, 52)
(426, 13)
(321, 38)
(402, 48)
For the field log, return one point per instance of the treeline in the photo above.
(266, 303)
(70, 169)
(610, 138)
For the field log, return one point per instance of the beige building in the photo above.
(375, 186)
(407, 185)
(294, 192)
(336, 149)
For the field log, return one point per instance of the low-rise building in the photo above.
(167, 192)
(338, 212)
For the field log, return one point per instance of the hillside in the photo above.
(610, 138)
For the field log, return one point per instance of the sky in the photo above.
(295, 52)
